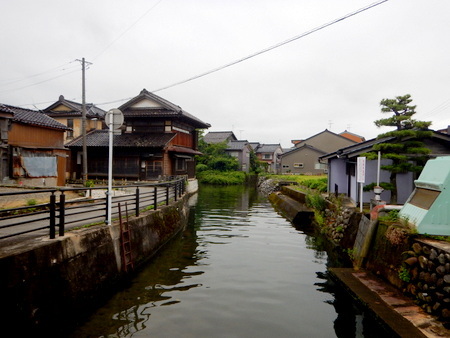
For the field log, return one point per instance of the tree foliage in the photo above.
(403, 146)
(215, 157)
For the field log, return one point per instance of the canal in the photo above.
(239, 269)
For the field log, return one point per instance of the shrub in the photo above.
(315, 201)
(201, 167)
(31, 202)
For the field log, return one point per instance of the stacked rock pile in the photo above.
(267, 186)
(429, 278)
(337, 221)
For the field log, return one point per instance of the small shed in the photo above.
(428, 207)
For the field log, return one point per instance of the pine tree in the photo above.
(407, 152)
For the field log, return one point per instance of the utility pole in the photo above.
(84, 171)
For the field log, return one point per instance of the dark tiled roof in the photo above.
(357, 148)
(219, 136)
(149, 112)
(268, 148)
(237, 145)
(168, 109)
(32, 117)
(92, 111)
(254, 145)
(100, 138)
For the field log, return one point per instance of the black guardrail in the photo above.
(89, 209)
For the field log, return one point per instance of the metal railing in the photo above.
(92, 208)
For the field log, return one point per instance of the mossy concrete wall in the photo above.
(47, 284)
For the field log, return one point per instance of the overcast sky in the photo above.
(331, 79)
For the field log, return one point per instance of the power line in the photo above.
(274, 46)
(34, 84)
(316, 29)
(126, 30)
(12, 81)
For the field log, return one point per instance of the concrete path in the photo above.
(398, 311)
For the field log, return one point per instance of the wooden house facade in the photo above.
(36, 152)
(157, 139)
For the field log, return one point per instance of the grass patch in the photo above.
(316, 182)
(221, 177)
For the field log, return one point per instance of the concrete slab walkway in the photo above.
(398, 311)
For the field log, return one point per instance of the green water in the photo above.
(239, 270)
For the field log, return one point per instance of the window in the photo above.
(180, 164)
(285, 166)
(298, 165)
(70, 125)
(267, 156)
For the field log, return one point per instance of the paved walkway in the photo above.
(398, 311)
(15, 201)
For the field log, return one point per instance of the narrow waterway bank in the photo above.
(239, 269)
(383, 294)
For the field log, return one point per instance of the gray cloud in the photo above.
(334, 78)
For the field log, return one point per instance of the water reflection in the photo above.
(239, 269)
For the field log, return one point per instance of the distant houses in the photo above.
(270, 154)
(241, 150)
(303, 158)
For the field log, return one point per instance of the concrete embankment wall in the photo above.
(47, 284)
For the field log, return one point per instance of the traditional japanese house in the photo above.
(70, 114)
(157, 139)
(36, 151)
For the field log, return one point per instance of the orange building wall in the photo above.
(29, 136)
